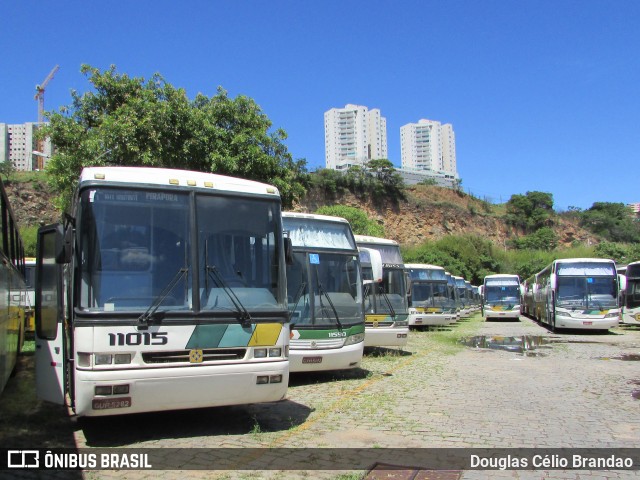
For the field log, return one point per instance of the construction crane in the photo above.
(40, 93)
(40, 98)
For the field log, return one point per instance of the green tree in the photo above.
(360, 223)
(130, 121)
(7, 170)
(542, 239)
(530, 211)
(613, 221)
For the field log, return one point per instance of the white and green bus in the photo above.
(163, 290)
(466, 309)
(580, 293)
(385, 298)
(631, 294)
(430, 302)
(324, 287)
(501, 296)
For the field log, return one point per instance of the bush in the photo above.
(360, 223)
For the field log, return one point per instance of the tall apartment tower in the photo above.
(428, 145)
(18, 144)
(353, 135)
(448, 138)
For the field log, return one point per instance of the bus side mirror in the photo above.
(622, 279)
(63, 241)
(288, 251)
(552, 281)
(407, 281)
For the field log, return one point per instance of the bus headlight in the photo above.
(103, 359)
(259, 353)
(275, 352)
(611, 315)
(353, 339)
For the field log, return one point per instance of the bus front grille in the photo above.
(186, 356)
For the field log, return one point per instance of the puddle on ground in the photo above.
(525, 344)
(627, 357)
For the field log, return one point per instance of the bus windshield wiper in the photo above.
(388, 302)
(323, 293)
(301, 289)
(157, 301)
(243, 313)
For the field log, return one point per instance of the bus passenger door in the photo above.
(49, 335)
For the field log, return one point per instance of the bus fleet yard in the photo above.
(467, 385)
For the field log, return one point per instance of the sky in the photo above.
(543, 95)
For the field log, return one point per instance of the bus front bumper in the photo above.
(315, 360)
(386, 336)
(589, 323)
(177, 388)
(418, 319)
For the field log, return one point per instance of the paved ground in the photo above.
(570, 391)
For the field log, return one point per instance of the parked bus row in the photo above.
(161, 282)
(167, 289)
(438, 298)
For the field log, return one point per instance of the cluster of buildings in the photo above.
(354, 135)
(19, 146)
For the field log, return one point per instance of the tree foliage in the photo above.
(530, 211)
(620, 252)
(377, 180)
(130, 121)
(469, 256)
(542, 239)
(360, 223)
(613, 221)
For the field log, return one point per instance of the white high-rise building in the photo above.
(448, 138)
(428, 145)
(420, 145)
(18, 145)
(353, 135)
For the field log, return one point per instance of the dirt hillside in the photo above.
(430, 213)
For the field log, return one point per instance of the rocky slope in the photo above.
(430, 213)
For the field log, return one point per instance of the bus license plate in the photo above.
(311, 359)
(107, 403)
(587, 323)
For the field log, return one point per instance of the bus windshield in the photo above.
(586, 292)
(135, 249)
(429, 294)
(502, 294)
(389, 296)
(633, 293)
(323, 286)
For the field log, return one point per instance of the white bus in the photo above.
(453, 294)
(429, 299)
(502, 294)
(165, 289)
(465, 304)
(631, 294)
(324, 288)
(385, 299)
(12, 287)
(578, 293)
